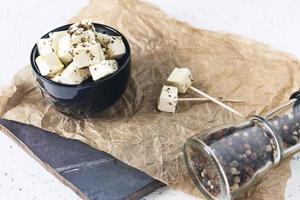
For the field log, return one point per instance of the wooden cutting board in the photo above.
(92, 174)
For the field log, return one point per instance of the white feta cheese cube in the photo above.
(56, 77)
(64, 49)
(48, 64)
(46, 45)
(103, 69)
(72, 75)
(87, 54)
(103, 38)
(181, 78)
(57, 34)
(168, 99)
(116, 47)
(81, 26)
(85, 36)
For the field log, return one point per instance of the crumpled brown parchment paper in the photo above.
(133, 131)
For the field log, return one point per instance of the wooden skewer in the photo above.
(216, 101)
(205, 99)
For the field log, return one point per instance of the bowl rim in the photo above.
(34, 51)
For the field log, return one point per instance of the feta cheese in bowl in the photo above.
(78, 71)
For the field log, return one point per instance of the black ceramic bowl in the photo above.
(90, 97)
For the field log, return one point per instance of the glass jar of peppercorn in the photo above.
(226, 161)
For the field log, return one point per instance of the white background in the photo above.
(274, 22)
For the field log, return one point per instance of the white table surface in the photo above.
(273, 22)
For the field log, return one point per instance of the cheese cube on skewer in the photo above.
(72, 75)
(87, 54)
(181, 78)
(168, 99)
(64, 48)
(48, 64)
(46, 45)
(115, 47)
(103, 69)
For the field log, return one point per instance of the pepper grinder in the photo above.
(224, 162)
